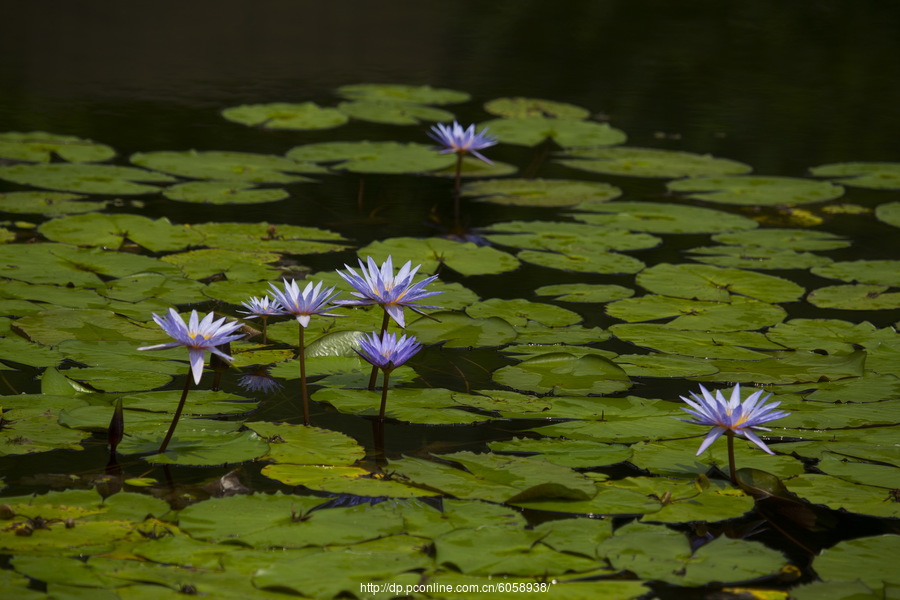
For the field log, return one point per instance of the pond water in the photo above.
(540, 424)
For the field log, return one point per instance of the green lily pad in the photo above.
(830, 335)
(220, 192)
(373, 157)
(873, 175)
(837, 495)
(688, 501)
(741, 314)
(889, 213)
(713, 284)
(85, 178)
(31, 430)
(226, 166)
(757, 190)
(475, 167)
(755, 257)
(585, 292)
(465, 258)
(567, 237)
(18, 350)
(266, 237)
(198, 447)
(875, 272)
(677, 458)
(531, 131)
(664, 365)
(343, 480)
(576, 454)
(519, 107)
(583, 259)
(117, 380)
(283, 115)
(562, 373)
(113, 231)
(650, 162)
(416, 94)
(654, 217)
(860, 471)
(868, 560)
(855, 297)
(300, 445)
(573, 335)
(789, 367)
(393, 112)
(137, 287)
(432, 406)
(54, 326)
(736, 345)
(784, 239)
(456, 330)
(521, 313)
(49, 204)
(540, 192)
(40, 146)
(236, 265)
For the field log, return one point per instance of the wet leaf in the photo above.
(113, 231)
(567, 237)
(889, 213)
(784, 239)
(876, 272)
(576, 454)
(283, 115)
(521, 313)
(741, 314)
(737, 345)
(864, 559)
(757, 190)
(227, 166)
(463, 257)
(829, 335)
(663, 365)
(457, 330)
(343, 480)
(713, 284)
(855, 297)
(301, 445)
(583, 259)
(789, 367)
(432, 406)
(49, 204)
(650, 162)
(754, 257)
(585, 292)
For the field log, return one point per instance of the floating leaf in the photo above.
(837, 495)
(655, 217)
(757, 190)
(228, 166)
(519, 107)
(463, 257)
(873, 175)
(85, 178)
(137, 287)
(40, 146)
(432, 406)
(663, 365)
(585, 292)
(519, 312)
(755, 257)
(562, 373)
(875, 272)
(864, 559)
(421, 94)
(373, 157)
(829, 335)
(49, 204)
(889, 213)
(54, 326)
(218, 192)
(531, 131)
(540, 192)
(264, 238)
(18, 350)
(236, 265)
(650, 162)
(393, 112)
(789, 367)
(30, 430)
(300, 445)
(855, 297)
(577, 454)
(677, 458)
(567, 237)
(701, 282)
(113, 231)
(784, 239)
(741, 314)
(282, 115)
(474, 167)
(583, 259)
(457, 330)
(737, 345)
(343, 480)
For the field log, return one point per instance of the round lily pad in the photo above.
(756, 257)
(519, 107)
(463, 257)
(531, 131)
(564, 374)
(784, 239)
(889, 213)
(456, 330)
(664, 365)
(40, 146)
(417, 94)
(540, 192)
(740, 345)
(873, 175)
(655, 217)
(855, 297)
(49, 204)
(282, 115)
(715, 284)
(373, 157)
(85, 178)
(585, 292)
(741, 314)
(112, 231)
(227, 166)
(223, 192)
(832, 336)
(876, 272)
(521, 313)
(583, 260)
(650, 162)
(757, 190)
(393, 112)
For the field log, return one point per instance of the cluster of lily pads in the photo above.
(589, 417)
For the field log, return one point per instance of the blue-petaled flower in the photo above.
(461, 141)
(382, 287)
(197, 336)
(313, 300)
(739, 418)
(387, 352)
(262, 307)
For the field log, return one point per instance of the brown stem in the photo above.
(374, 374)
(731, 470)
(264, 332)
(184, 393)
(302, 359)
(384, 390)
(456, 190)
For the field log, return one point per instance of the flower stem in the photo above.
(374, 374)
(384, 391)
(732, 471)
(302, 359)
(456, 186)
(177, 415)
(264, 331)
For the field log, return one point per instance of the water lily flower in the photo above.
(391, 292)
(311, 301)
(387, 352)
(461, 141)
(197, 336)
(262, 307)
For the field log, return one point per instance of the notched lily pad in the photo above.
(86, 178)
(283, 115)
(115, 231)
(531, 131)
(873, 175)
(463, 257)
(784, 239)
(650, 162)
(40, 146)
(757, 190)
(540, 192)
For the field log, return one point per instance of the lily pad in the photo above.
(875, 272)
(540, 192)
(837, 495)
(650, 162)
(283, 115)
(236, 265)
(583, 259)
(300, 445)
(755, 257)
(114, 231)
(416, 94)
(576, 454)
(784, 239)
(741, 314)
(49, 204)
(217, 192)
(567, 237)
(789, 367)
(373, 157)
(86, 178)
(737, 345)
(226, 166)
(465, 258)
(664, 365)
(889, 213)
(873, 175)
(864, 559)
(585, 292)
(343, 480)
(40, 146)
(832, 336)
(713, 284)
(757, 190)
(432, 406)
(855, 297)
(565, 374)
(54, 326)
(519, 107)
(264, 237)
(531, 131)
(521, 313)
(457, 330)
(474, 167)
(393, 112)
(654, 217)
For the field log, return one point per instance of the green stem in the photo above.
(384, 391)
(302, 359)
(732, 471)
(374, 374)
(184, 393)
(264, 332)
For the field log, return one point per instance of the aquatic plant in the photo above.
(263, 308)
(386, 351)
